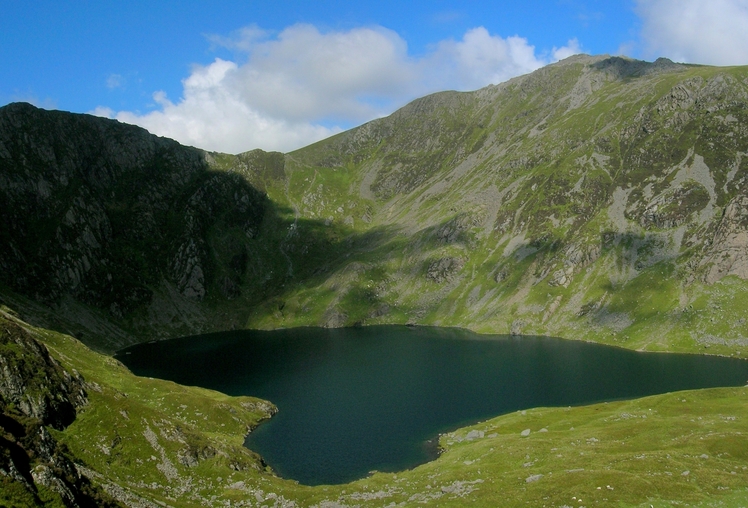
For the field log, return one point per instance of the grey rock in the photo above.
(444, 269)
(34, 382)
(728, 254)
(474, 434)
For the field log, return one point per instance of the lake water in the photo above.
(375, 398)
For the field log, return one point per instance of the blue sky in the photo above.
(236, 75)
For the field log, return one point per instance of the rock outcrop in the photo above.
(728, 252)
(33, 383)
(36, 392)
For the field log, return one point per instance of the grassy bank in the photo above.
(147, 439)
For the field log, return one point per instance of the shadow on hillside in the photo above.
(293, 254)
(252, 253)
(114, 235)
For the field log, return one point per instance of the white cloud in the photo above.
(307, 75)
(478, 60)
(294, 85)
(241, 40)
(572, 48)
(697, 31)
(626, 48)
(213, 115)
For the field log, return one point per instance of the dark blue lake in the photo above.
(375, 398)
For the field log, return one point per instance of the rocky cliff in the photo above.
(108, 215)
(36, 392)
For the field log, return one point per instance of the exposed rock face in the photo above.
(36, 391)
(106, 212)
(454, 230)
(728, 254)
(576, 258)
(34, 383)
(334, 319)
(444, 269)
(187, 270)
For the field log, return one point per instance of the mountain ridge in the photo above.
(480, 209)
(538, 139)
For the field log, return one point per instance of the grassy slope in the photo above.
(488, 178)
(686, 447)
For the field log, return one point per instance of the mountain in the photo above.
(599, 198)
(104, 221)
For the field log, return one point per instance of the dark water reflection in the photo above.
(373, 398)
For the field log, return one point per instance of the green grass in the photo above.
(686, 448)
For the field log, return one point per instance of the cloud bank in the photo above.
(302, 85)
(696, 31)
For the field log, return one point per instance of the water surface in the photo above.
(374, 398)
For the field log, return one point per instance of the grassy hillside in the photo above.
(148, 442)
(597, 198)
